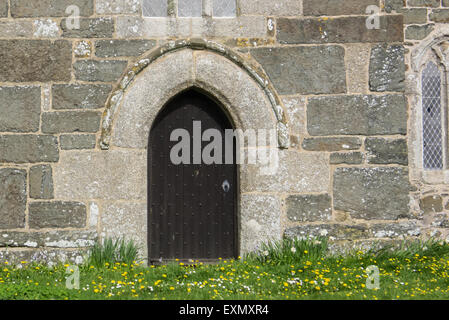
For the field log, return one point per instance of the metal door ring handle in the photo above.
(226, 186)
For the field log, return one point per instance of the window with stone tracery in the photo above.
(432, 117)
(434, 105)
(189, 8)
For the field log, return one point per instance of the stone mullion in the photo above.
(172, 8)
(207, 8)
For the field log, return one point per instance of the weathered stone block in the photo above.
(309, 208)
(101, 175)
(304, 70)
(372, 193)
(41, 182)
(71, 121)
(414, 16)
(49, 8)
(394, 5)
(13, 198)
(357, 115)
(3, 8)
(57, 215)
(122, 48)
(387, 151)
(50, 239)
(21, 109)
(331, 231)
(78, 141)
(28, 148)
(331, 144)
(431, 204)
(80, 96)
(242, 26)
(240, 44)
(46, 28)
(440, 220)
(339, 30)
(126, 219)
(358, 55)
(439, 15)
(364, 245)
(16, 29)
(260, 220)
(272, 8)
(83, 49)
(387, 68)
(297, 172)
(336, 7)
(89, 28)
(93, 70)
(46, 97)
(346, 158)
(44, 256)
(296, 114)
(117, 6)
(35, 60)
(395, 230)
(135, 27)
(418, 32)
(424, 3)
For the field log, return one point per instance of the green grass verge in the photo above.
(287, 270)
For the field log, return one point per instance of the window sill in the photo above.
(435, 176)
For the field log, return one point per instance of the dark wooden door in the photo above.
(192, 207)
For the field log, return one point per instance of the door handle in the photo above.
(226, 186)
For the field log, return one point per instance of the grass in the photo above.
(290, 269)
(111, 251)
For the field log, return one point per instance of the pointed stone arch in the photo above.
(434, 48)
(244, 90)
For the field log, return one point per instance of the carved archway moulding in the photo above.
(438, 41)
(253, 71)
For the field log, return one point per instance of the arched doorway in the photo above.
(192, 199)
(132, 110)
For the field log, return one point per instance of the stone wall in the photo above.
(341, 86)
(425, 22)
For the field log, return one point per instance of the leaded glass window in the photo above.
(189, 8)
(432, 117)
(224, 8)
(154, 8)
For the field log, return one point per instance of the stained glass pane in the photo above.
(224, 8)
(432, 122)
(190, 8)
(154, 8)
